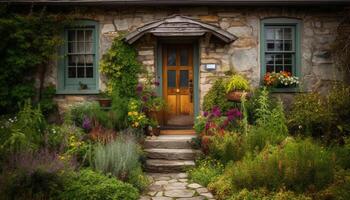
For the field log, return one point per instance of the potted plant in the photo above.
(236, 87)
(281, 79)
(104, 100)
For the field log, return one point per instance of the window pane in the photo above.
(184, 57)
(72, 60)
(81, 60)
(88, 47)
(71, 35)
(287, 33)
(89, 60)
(278, 33)
(81, 73)
(279, 59)
(269, 59)
(183, 78)
(270, 45)
(278, 45)
(71, 72)
(172, 57)
(279, 68)
(269, 68)
(288, 45)
(171, 78)
(288, 59)
(88, 36)
(71, 47)
(270, 34)
(288, 68)
(80, 47)
(80, 35)
(89, 72)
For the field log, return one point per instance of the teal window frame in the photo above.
(72, 86)
(281, 22)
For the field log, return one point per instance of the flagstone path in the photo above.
(174, 186)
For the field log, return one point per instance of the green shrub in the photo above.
(229, 147)
(24, 131)
(28, 43)
(237, 82)
(205, 171)
(91, 185)
(342, 154)
(46, 102)
(309, 115)
(216, 96)
(263, 194)
(338, 190)
(33, 175)
(298, 165)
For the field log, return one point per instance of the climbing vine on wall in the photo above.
(28, 43)
(121, 67)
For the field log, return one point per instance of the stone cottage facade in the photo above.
(255, 41)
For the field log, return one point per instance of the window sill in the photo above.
(77, 92)
(285, 90)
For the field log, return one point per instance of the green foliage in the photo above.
(93, 112)
(27, 42)
(91, 185)
(206, 171)
(120, 110)
(216, 96)
(339, 189)
(237, 82)
(263, 194)
(298, 165)
(46, 102)
(270, 122)
(23, 132)
(121, 159)
(121, 67)
(342, 154)
(229, 147)
(309, 115)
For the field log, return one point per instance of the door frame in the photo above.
(159, 65)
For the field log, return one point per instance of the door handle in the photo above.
(177, 90)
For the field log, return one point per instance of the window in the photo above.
(280, 45)
(78, 69)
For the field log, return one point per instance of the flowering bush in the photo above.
(136, 117)
(216, 122)
(280, 80)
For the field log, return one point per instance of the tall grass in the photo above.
(119, 157)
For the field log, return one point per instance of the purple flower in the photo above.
(207, 126)
(86, 124)
(139, 88)
(144, 98)
(216, 111)
(205, 114)
(233, 113)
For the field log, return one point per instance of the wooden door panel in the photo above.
(178, 82)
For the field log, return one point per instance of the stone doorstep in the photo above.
(156, 165)
(172, 154)
(167, 143)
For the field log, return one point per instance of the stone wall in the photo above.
(318, 32)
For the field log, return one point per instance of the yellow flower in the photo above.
(129, 113)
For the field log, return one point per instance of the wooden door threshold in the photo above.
(177, 132)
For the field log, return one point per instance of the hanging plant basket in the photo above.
(105, 102)
(236, 95)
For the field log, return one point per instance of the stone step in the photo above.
(156, 165)
(167, 143)
(172, 154)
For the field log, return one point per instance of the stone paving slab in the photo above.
(174, 186)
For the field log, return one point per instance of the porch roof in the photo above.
(184, 2)
(177, 25)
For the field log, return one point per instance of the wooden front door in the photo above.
(178, 84)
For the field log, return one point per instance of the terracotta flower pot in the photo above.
(236, 95)
(105, 102)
